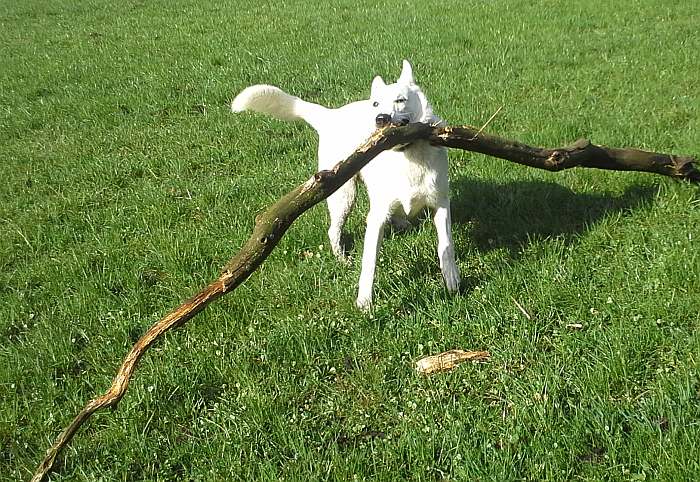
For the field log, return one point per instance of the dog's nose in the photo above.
(382, 120)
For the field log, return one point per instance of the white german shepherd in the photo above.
(400, 182)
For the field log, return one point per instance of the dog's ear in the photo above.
(377, 83)
(406, 74)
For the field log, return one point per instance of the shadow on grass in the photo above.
(511, 215)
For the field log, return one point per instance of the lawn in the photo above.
(127, 184)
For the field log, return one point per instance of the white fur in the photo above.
(400, 183)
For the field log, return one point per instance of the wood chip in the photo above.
(448, 360)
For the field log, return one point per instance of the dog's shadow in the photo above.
(490, 215)
(511, 214)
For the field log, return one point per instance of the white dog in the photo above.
(400, 182)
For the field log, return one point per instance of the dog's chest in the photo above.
(414, 178)
(420, 189)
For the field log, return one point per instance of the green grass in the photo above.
(127, 184)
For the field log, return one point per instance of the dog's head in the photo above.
(401, 102)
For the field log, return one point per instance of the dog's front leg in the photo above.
(373, 239)
(339, 205)
(446, 250)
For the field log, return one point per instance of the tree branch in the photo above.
(581, 153)
(271, 225)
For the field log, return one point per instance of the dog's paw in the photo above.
(364, 304)
(452, 279)
(344, 259)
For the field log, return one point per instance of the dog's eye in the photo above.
(375, 103)
(400, 100)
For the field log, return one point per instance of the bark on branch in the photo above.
(271, 225)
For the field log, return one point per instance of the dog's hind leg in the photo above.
(376, 219)
(339, 206)
(446, 250)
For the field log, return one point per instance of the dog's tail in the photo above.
(274, 101)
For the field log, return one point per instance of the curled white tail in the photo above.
(271, 100)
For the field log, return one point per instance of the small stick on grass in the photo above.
(448, 360)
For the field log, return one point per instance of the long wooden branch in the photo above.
(581, 153)
(271, 225)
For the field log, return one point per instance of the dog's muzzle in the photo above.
(383, 120)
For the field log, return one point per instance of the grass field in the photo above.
(127, 184)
